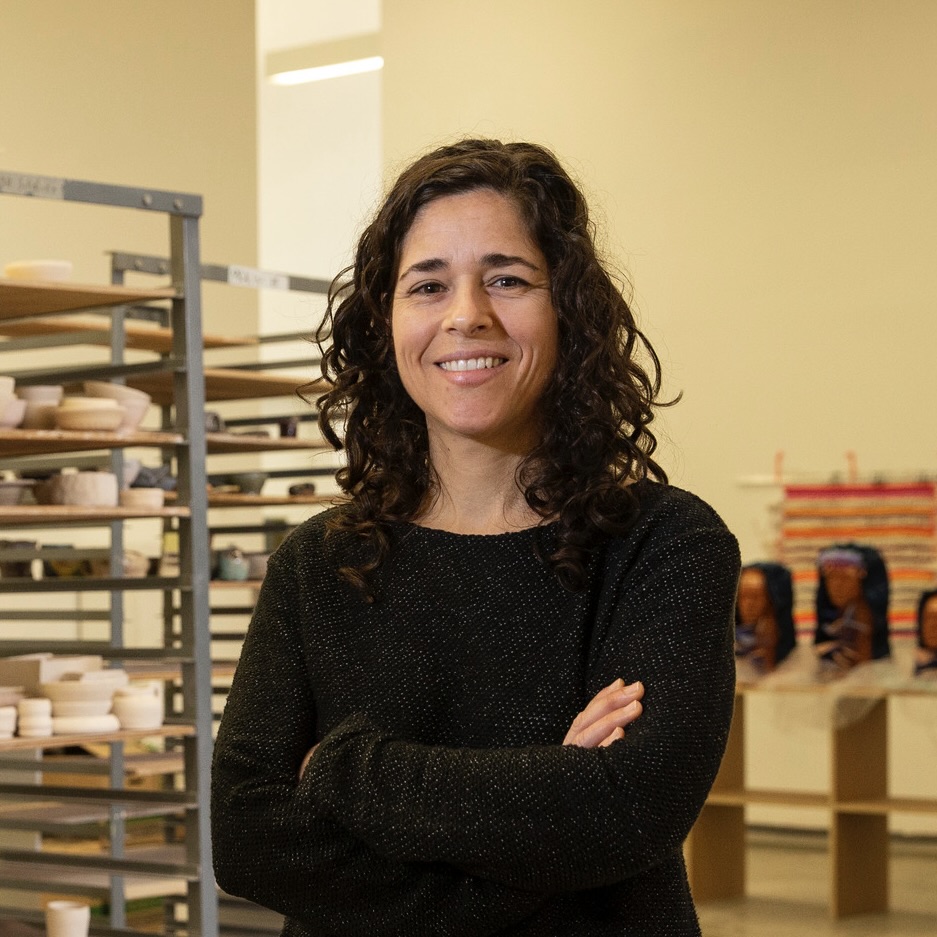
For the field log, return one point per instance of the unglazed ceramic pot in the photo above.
(139, 706)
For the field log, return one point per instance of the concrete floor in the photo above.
(788, 886)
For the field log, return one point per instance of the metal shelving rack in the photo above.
(180, 345)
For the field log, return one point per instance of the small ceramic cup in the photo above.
(67, 919)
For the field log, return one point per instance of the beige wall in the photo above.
(766, 175)
(136, 93)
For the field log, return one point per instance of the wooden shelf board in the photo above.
(73, 880)
(838, 690)
(143, 337)
(41, 514)
(64, 741)
(739, 798)
(143, 671)
(225, 384)
(42, 813)
(22, 442)
(235, 584)
(241, 500)
(888, 805)
(237, 442)
(19, 298)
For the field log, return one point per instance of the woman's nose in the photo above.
(469, 311)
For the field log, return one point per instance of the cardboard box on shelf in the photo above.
(30, 671)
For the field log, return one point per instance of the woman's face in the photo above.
(474, 329)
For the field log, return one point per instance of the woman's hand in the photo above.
(603, 721)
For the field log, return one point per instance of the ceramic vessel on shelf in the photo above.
(47, 393)
(82, 489)
(15, 491)
(233, 566)
(147, 498)
(93, 419)
(139, 706)
(39, 414)
(12, 411)
(7, 385)
(248, 483)
(135, 402)
(101, 688)
(55, 270)
(7, 721)
(81, 725)
(67, 918)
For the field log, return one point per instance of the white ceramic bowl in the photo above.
(78, 691)
(34, 707)
(87, 403)
(82, 489)
(38, 270)
(48, 393)
(134, 412)
(148, 498)
(93, 707)
(80, 725)
(12, 412)
(94, 419)
(119, 392)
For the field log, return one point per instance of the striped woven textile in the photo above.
(899, 520)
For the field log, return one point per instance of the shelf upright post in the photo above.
(194, 558)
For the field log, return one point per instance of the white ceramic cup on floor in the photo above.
(67, 919)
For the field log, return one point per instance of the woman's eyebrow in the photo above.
(429, 265)
(432, 264)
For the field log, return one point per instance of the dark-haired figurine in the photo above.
(764, 620)
(488, 694)
(852, 608)
(925, 657)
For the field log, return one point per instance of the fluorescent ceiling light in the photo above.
(325, 60)
(300, 76)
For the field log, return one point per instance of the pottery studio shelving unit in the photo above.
(251, 440)
(40, 315)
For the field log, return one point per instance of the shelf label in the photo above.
(258, 279)
(14, 183)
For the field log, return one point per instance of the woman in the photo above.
(426, 733)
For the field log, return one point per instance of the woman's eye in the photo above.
(507, 281)
(426, 289)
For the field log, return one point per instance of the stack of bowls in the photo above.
(35, 718)
(83, 704)
(135, 402)
(99, 414)
(12, 409)
(7, 721)
(42, 400)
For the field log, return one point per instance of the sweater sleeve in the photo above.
(274, 846)
(558, 818)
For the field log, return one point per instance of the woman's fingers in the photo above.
(611, 708)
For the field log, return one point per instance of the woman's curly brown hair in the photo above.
(597, 407)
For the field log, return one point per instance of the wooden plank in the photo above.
(20, 298)
(24, 442)
(41, 514)
(64, 741)
(227, 384)
(715, 854)
(859, 861)
(242, 442)
(138, 335)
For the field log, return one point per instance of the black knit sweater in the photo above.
(439, 800)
